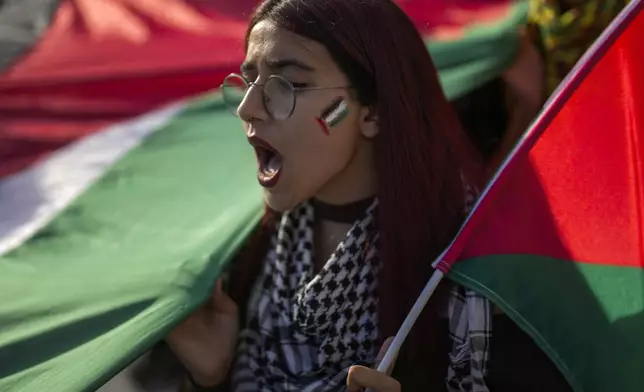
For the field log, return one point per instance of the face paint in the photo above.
(333, 115)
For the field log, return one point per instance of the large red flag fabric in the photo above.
(102, 61)
(557, 240)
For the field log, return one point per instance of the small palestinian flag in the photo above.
(334, 114)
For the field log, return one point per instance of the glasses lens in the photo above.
(279, 98)
(234, 90)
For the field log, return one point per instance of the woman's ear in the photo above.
(369, 123)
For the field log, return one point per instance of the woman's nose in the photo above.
(252, 106)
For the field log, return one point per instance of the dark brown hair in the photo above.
(422, 155)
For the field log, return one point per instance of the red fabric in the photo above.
(105, 60)
(575, 189)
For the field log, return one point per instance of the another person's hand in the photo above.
(361, 378)
(525, 89)
(206, 340)
(525, 78)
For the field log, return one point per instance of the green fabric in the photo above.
(607, 353)
(482, 54)
(129, 258)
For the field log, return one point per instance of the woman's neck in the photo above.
(332, 223)
(357, 181)
(327, 235)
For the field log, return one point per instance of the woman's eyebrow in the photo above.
(278, 65)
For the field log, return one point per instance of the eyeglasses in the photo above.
(279, 95)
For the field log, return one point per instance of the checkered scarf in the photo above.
(305, 329)
(470, 330)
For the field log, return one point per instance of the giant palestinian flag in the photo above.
(558, 239)
(122, 195)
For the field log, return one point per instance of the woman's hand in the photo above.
(361, 378)
(205, 342)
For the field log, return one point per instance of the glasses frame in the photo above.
(294, 90)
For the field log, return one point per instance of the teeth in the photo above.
(273, 164)
(271, 167)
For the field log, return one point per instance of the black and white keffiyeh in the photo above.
(470, 330)
(305, 329)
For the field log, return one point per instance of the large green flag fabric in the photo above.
(132, 255)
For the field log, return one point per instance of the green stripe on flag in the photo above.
(134, 254)
(540, 294)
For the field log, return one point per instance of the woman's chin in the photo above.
(280, 202)
(277, 202)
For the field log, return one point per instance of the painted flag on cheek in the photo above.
(333, 115)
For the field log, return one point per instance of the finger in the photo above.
(360, 377)
(381, 354)
(221, 301)
(216, 289)
(384, 348)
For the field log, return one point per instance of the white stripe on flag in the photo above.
(30, 199)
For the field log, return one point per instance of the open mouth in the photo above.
(269, 162)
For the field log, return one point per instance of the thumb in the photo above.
(381, 354)
(384, 348)
(220, 301)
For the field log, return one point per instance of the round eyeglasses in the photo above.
(278, 94)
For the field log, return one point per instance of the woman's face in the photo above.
(303, 156)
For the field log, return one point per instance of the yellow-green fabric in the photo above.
(565, 29)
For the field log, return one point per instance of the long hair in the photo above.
(422, 156)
